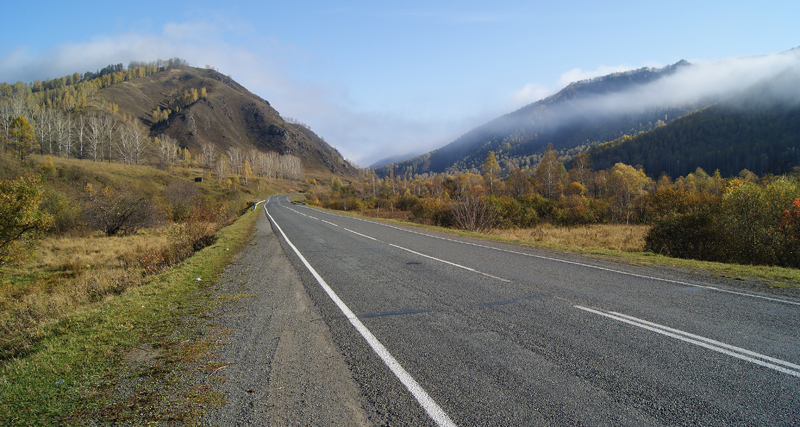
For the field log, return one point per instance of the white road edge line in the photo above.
(434, 411)
(739, 353)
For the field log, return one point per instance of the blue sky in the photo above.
(379, 78)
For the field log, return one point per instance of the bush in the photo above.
(693, 236)
(66, 213)
(576, 210)
(510, 213)
(472, 213)
(21, 220)
(118, 212)
(407, 202)
(545, 208)
(180, 197)
(434, 212)
(752, 216)
(670, 201)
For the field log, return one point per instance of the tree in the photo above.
(140, 141)
(581, 171)
(21, 138)
(518, 182)
(21, 220)
(209, 151)
(626, 183)
(490, 170)
(550, 173)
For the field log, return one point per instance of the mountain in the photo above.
(757, 129)
(229, 115)
(192, 107)
(729, 115)
(392, 159)
(568, 120)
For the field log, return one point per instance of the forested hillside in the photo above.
(734, 115)
(758, 130)
(569, 120)
(158, 113)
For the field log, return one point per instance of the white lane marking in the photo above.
(448, 263)
(610, 270)
(434, 411)
(737, 352)
(409, 250)
(362, 235)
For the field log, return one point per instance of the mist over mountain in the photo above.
(593, 112)
(393, 159)
(757, 129)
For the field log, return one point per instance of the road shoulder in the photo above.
(276, 362)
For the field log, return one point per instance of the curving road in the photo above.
(445, 330)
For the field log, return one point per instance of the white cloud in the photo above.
(529, 93)
(533, 92)
(577, 74)
(263, 67)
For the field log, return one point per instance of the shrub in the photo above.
(543, 207)
(180, 196)
(118, 212)
(752, 217)
(21, 220)
(694, 236)
(66, 213)
(434, 212)
(510, 213)
(666, 202)
(472, 213)
(407, 202)
(576, 210)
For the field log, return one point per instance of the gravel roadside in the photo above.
(277, 362)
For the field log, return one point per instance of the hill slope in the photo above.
(758, 130)
(714, 99)
(569, 119)
(229, 115)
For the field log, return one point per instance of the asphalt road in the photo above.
(436, 329)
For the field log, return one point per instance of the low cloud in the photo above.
(529, 93)
(267, 66)
(533, 92)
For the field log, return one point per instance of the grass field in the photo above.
(127, 359)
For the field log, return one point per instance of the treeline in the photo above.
(743, 219)
(112, 138)
(249, 164)
(31, 127)
(72, 92)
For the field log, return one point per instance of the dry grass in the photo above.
(66, 274)
(618, 237)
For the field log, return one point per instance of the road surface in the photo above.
(443, 330)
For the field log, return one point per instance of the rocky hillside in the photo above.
(226, 114)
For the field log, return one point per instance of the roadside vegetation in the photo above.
(98, 269)
(745, 219)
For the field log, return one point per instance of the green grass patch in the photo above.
(128, 360)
